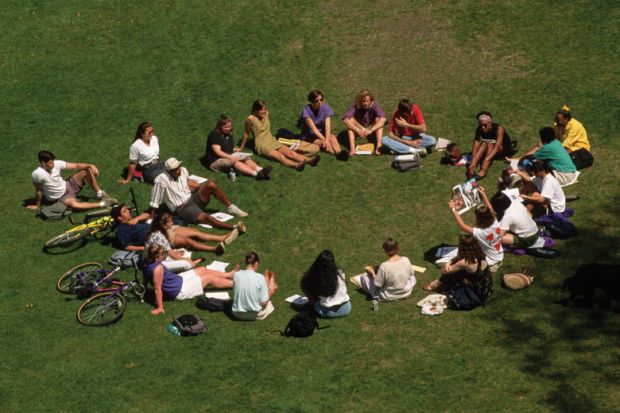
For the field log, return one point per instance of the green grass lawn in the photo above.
(77, 78)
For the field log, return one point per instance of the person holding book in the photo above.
(393, 280)
(491, 140)
(144, 155)
(364, 119)
(316, 127)
(468, 268)
(222, 156)
(486, 231)
(325, 286)
(407, 130)
(252, 291)
(266, 145)
(544, 193)
(184, 286)
(574, 138)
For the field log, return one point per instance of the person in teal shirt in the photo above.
(551, 150)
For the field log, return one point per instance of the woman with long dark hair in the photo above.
(325, 286)
(144, 155)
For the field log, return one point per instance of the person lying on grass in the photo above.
(315, 123)
(220, 153)
(393, 280)
(364, 119)
(542, 193)
(469, 268)
(325, 286)
(266, 145)
(184, 286)
(187, 198)
(144, 155)
(50, 187)
(252, 291)
(486, 231)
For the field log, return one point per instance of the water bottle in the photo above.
(375, 305)
(173, 330)
(232, 175)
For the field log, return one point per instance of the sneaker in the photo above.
(301, 166)
(241, 227)
(314, 161)
(263, 174)
(235, 210)
(422, 152)
(107, 198)
(219, 250)
(342, 156)
(231, 237)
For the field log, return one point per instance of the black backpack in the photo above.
(463, 298)
(302, 324)
(189, 325)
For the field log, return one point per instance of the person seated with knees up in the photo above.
(220, 153)
(184, 286)
(393, 280)
(326, 288)
(364, 119)
(490, 141)
(144, 155)
(469, 268)
(315, 123)
(544, 193)
(574, 138)
(551, 150)
(50, 187)
(486, 231)
(187, 198)
(252, 291)
(266, 145)
(407, 130)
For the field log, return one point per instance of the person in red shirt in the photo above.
(407, 130)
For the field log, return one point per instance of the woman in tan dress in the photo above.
(266, 145)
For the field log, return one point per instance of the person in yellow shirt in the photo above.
(574, 138)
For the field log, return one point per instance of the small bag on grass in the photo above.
(404, 163)
(302, 324)
(57, 210)
(189, 325)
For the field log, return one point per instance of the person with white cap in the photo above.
(186, 198)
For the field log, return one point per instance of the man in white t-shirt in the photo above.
(546, 193)
(50, 187)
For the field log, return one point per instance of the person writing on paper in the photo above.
(315, 123)
(407, 130)
(490, 141)
(187, 198)
(325, 286)
(144, 155)
(469, 268)
(574, 138)
(364, 119)
(393, 280)
(222, 156)
(184, 286)
(266, 145)
(252, 291)
(542, 193)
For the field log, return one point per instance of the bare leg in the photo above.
(475, 148)
(192, 244)
(214, 279)
(378, 137)
(210, 188)
(508, 239)
(276, 155)
(287, 152)
(351, 136)
(187, 232)
(332, 145)
(246, 168)
(77, 205)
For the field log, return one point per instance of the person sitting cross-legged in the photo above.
(252, 291)
(364, 119)
(50, 187)
(407, 130)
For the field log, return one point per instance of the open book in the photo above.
(197, 179)
(365, 149)
(465, 196)
(442, 144)
(297, 299)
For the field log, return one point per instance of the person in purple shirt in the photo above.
(316, 127)
(364, 119)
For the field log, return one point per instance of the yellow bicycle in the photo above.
(77, 233)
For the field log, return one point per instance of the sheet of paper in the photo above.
(442, 144)
(241, 155)
(297, 299)
(443, 251)
(205, 226)
(222, 216)
(417, 269)
(356, 279)
(222, 295)
(218, 266)
(197, 178)
(409, 157)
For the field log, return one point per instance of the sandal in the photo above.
(432, 286)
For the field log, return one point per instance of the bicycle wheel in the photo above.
(66, 239)
(83, 274)
(102, 309)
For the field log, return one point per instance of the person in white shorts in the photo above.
(252, 291)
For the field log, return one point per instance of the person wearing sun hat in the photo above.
(187, 198)
(574, 138)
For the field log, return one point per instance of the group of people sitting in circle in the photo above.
(500, 221)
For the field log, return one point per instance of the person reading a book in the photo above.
(491, 141)
(184, 286)
(144, 155)
(364, 119)
(407, 130)
(542, 193)
(222, 156)
(266, 145)
(315, 123)
(325, 286)
(252, 291)
(486, 231)
(393, 280)
(187, 198)
(574, 138)
(469, 268)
